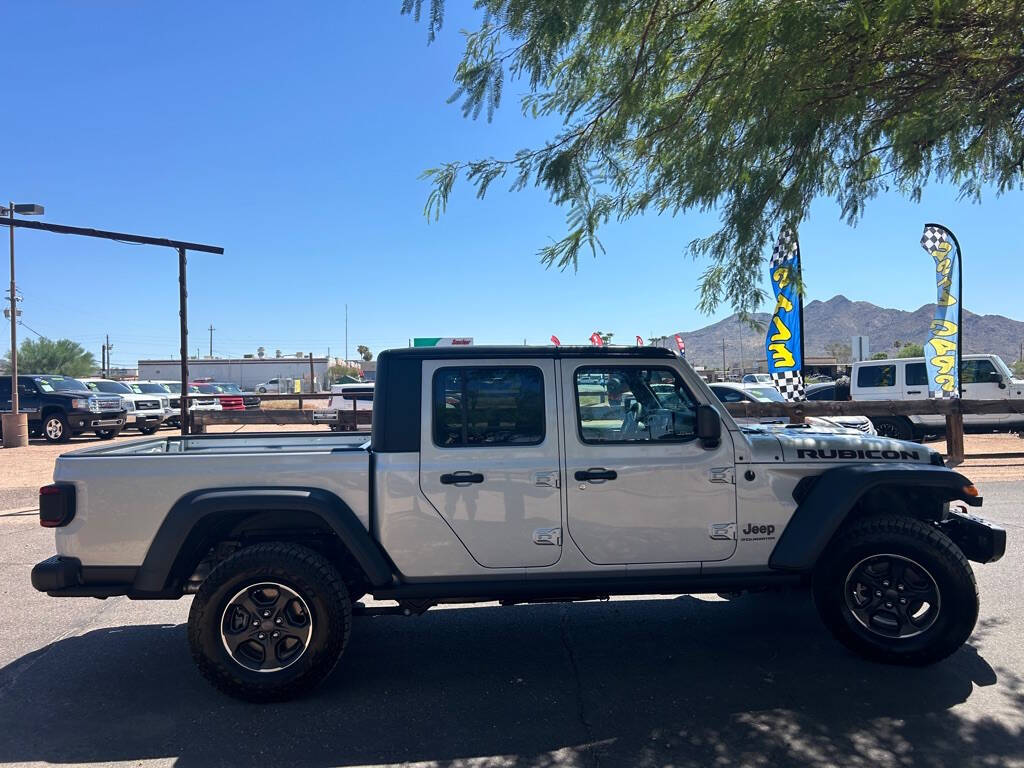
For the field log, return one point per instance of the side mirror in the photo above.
(709, 426)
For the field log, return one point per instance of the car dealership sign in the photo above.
(443, 341)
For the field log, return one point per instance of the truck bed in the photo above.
(125, 491)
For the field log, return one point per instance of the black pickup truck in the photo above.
(59, 407)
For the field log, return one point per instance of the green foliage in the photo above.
(1018, 369)
(335, 372)
(911, 350)
(750, 108)
(840, 351)
(880, 356)
(364, 352)
(62, 356)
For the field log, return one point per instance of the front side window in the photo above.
(633, 405)
(978, 372)
(486, 407)
(109, 387)
(728, 394)
(876, 376)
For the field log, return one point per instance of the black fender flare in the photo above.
(833, 495)
(191, 511)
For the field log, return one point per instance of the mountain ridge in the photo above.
(837, 320)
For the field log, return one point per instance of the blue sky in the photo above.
(295, 140)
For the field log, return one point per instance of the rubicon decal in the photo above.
(860, 453)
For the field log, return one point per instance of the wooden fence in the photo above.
(953, 410)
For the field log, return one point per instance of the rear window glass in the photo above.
(484, 407)
(876, 376)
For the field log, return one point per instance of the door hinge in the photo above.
(548, 536)
(551, 479)
(723, 475)
(722, 531)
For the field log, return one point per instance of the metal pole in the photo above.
(312, 374)
(106, 371)
(724, 377)
(14, 325)
(346, 334)
(183, 313)
(212, 329)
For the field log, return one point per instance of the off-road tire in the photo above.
(107, 434)
(913, 540)
(298, 568)
(59, 433)
(897, 427)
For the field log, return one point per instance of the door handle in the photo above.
(462, 478)
(596, 474)
(913, 391)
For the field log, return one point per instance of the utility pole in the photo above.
(311, 373)
(741, 352)
(211, 329)
(13, 441)
(346, 334)
(106, 358)
(723, 360)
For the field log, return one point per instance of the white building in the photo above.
(246, 372)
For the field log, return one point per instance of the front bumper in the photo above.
(979, 540)
(82, 420)
(145, 418)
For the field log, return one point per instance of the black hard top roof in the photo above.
(476, 352)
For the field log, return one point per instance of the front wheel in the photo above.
(270, 622)
(107, 434)
(55, 428)
(896, 589)
(149, 430)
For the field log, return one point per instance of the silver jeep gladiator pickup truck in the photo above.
(515, 474)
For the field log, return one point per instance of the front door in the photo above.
(489, 458)
(641, 487)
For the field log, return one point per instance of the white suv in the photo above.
(982, 377)
(146, 412)
(173, 389)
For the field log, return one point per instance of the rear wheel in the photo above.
(270, 622)
(55, 428)
(896, 589)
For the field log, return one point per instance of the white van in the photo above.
(982, 377)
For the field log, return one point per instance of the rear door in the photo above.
(640, 487)
(489, 457)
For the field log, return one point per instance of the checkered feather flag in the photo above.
(785, 248)
(931, 239)
(790, 384)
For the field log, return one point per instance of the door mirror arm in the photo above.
(709, 426)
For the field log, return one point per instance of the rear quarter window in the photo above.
(876, 376)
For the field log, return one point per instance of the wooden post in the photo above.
(955, 435)
(183, 313)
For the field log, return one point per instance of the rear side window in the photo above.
(484, 407)
(917, 375)
(876, 376)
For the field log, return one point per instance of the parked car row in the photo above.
(62, 407)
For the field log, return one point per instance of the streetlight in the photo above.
(15, 425)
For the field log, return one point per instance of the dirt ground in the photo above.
(23, 470)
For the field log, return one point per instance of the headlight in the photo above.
(165, 402)
(128, 404)
(86, 404)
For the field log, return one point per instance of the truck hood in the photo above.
(822, 446)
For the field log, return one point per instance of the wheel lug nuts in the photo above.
(261, 636)
(266, 614)
(878, 593)
(276, 634)
(888, 605)
(885, 583)
(900, 587)
(255, 623)
(277, 620)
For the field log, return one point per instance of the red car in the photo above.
(230, 395)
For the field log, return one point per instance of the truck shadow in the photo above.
(682, 681)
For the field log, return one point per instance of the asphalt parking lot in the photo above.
(681, 681)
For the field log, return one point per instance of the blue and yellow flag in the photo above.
(784, 341)
(942, 351)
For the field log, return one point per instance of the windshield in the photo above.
(149, 389)
(765, 394)
(1003, 367)
(59, 384)
(109, 387)
(227, 388)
